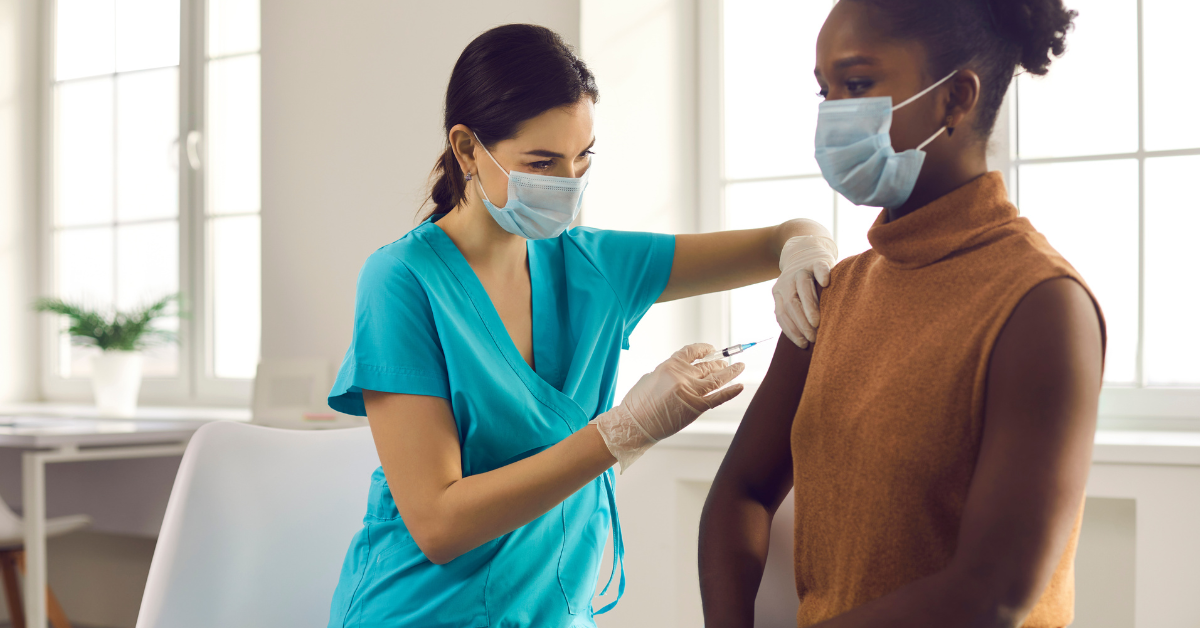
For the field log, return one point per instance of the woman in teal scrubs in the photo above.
(485, 353)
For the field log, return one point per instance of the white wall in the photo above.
(643, 53)
(352, 100)
(19, 117)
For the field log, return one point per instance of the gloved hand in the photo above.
(665, 401)
(804, 259)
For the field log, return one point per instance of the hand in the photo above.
(665, 401)
(804, 259)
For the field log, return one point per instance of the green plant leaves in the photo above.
(120, 331)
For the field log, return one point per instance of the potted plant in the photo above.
(120, 336)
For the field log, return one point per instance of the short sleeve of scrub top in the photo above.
(636, 264)
(395, 347)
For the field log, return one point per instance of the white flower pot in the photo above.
(116, 378)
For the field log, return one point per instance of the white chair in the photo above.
(12, 559)
(257, 526)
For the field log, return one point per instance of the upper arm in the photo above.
(759, 461)
(418, 446)
(1043, 385)
(711, 262)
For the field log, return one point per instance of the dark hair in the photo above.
(991, 37)
(504, 77)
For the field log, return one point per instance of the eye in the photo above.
(823, 94)
(585, 154)
(542, 165)
(857, 87)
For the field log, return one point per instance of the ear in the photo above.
(463, 143)
(963, 104)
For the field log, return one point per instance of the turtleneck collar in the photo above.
(944, 226)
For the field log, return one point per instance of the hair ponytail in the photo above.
(504, 77)
(448, 184)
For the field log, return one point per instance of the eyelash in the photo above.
(549, 163)
(855, 87)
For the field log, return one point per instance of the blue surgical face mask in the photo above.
(854, 150)
(538, 206)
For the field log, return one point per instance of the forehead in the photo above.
(853, 35)
(563, 125)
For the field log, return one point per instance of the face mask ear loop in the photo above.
(934, 137)
(489, 154)
(918, 95)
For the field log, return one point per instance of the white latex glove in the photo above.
(665, 401)
(804, 259)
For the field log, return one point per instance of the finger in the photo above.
(694, 352)
(785, 323)
(708, 368)
(723, 395)
(821, 272)
(790, 330)
(807, 291)
(795, 312)
(720, 378)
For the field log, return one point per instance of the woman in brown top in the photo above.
(939, 431)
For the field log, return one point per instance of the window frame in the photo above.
(1121, 406)
(194, 384)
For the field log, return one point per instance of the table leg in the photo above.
(33, 481)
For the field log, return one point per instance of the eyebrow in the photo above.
(848, 62)
(554, 155)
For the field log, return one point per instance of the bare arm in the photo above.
(753, 480)
(1039, 424)
(449, 515)
(711, 262)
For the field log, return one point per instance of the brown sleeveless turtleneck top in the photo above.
(887, 434)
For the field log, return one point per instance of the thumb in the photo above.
(821, 273)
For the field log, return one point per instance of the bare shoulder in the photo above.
(1049, 356)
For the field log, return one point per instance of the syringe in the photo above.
(729, 351)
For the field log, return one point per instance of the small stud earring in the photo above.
(468, 176)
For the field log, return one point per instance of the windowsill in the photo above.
(143, 413)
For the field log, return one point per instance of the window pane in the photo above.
(147, 149)
(1088, 103)
(147, 270)
(233, 26)
(83, 38)
(853, 222)
(84, 275)
(234, 256)
(1170, 55)
(751, 205)
(769, 56)
(1095, 227)
(147, 34)
(83, 152)
(1172, 292)
(233, 135)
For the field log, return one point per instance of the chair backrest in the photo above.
(257, 527)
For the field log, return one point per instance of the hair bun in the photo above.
(1039, 27)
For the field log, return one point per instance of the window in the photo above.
(1099, 155)
(1108, 182)
(153, 184)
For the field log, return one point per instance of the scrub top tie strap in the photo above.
(618, 547)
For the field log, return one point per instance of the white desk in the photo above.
(62, 433)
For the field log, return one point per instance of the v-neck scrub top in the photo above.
(425, 326)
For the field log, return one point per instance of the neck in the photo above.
(485, 245)
(938, 180)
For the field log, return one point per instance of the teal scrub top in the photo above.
(425, 326)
